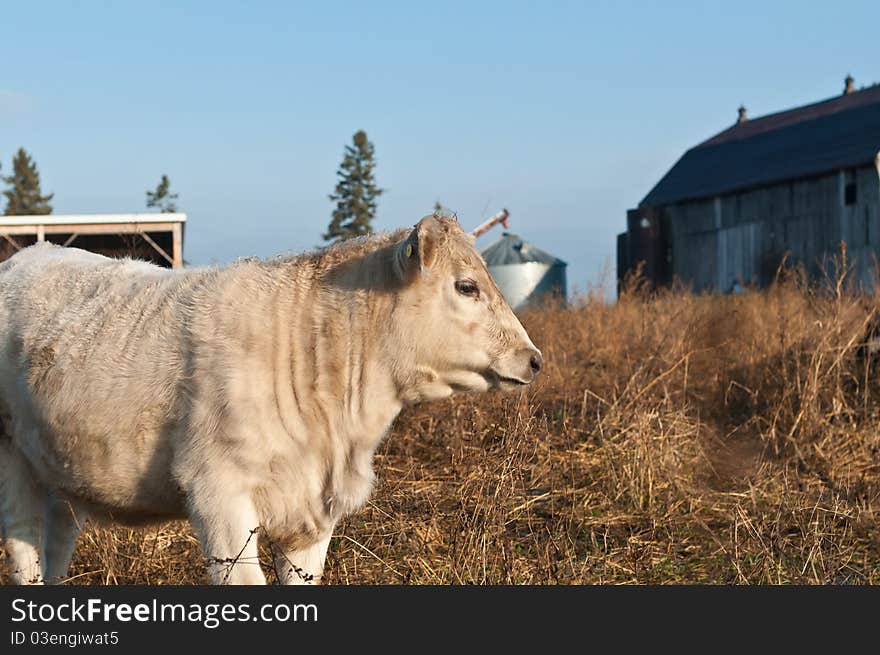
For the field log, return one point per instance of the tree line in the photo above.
(355, 197)
(24, 195)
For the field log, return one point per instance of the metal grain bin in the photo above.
(524, 273)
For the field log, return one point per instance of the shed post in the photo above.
(177, 254)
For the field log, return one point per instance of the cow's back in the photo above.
(90, 367)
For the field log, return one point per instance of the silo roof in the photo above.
(513, 249)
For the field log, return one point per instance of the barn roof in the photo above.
(841, 132)
(512, 249)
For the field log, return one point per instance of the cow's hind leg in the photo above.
(63, 525)
(22, 504)
(301, 566)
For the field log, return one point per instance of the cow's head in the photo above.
(450, 319)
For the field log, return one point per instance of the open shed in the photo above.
(154, 237)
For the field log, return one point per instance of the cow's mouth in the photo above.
(504, 382)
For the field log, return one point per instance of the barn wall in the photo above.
(860, 222)
(742, 238)
(693, 242)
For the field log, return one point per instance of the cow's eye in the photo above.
(468, 288)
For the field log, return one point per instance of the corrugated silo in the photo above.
(523, 272)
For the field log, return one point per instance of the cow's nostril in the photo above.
(537, 363)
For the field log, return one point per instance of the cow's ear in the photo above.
(419, 250)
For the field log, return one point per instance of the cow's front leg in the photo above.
(63, 524)
(22, 502)
(228, 530)
(303, 565)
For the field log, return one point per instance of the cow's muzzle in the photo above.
(519, 370)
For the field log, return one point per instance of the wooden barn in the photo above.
(154, 237)
(797, 183)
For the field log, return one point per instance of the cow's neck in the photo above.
(342, 398)
(353, 379)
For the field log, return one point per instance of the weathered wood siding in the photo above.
(742, 238)
(860, 223)
(693, 238)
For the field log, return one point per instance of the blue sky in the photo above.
(566, 113)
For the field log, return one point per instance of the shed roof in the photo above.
(92, 219)
(512, 249)
(840, 132)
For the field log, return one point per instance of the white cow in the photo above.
(249, 399)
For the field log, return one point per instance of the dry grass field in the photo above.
(672, 439)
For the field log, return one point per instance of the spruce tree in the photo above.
(162, 198)
(356, 191)
(24, 197)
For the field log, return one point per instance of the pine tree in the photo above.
(24, 198)
(162, 197)
(356, 191)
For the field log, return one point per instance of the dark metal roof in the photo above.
(511, 249)
(840, 132)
